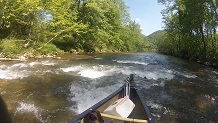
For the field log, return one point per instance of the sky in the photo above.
(147, 14)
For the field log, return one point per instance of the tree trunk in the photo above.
(204, 43)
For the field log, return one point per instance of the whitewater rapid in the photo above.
(84, 82)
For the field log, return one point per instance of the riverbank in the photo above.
(25, 57)
(70, 55)
(67, 55)
(213, 65)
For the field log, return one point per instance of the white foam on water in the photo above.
(187, 75)
(3, 67)
(162, 74)
(22, 70)
(105, 70)
(71, 69)
(211, 99)
(190, 76)
(85, 97)
(215, 72)
(33, 63)
(159, 75)
(19, 65)
(25, 107)
(19, 71)
(11, 73)
(155, 115)
(91, 73)
(131, 62)
(161, 84)
(48, 63)
(169, 111)
(154, 105)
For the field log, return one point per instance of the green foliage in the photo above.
(156, 40)
(19, 18)
(132, 38)
(49, 49)
(191, 27)
(11, 46)
(83, 25)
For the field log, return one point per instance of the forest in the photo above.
(34, 27)
(190, 30)
(38, 27)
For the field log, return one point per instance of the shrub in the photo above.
(10, 46)
(48, 49)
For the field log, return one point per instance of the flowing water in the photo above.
(54, 91)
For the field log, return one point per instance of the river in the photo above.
(54, 91)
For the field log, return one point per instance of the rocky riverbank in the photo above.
(25, 57)
(29, 55)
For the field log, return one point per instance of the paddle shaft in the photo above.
(123, 119)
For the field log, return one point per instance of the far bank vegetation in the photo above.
(40, 27)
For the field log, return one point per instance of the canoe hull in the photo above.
(140, 110)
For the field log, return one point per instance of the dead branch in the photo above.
(51, 39)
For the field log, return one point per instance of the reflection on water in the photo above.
(54, 91)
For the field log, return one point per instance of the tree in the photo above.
(191, 26)
(82, 25)
(19, 18)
